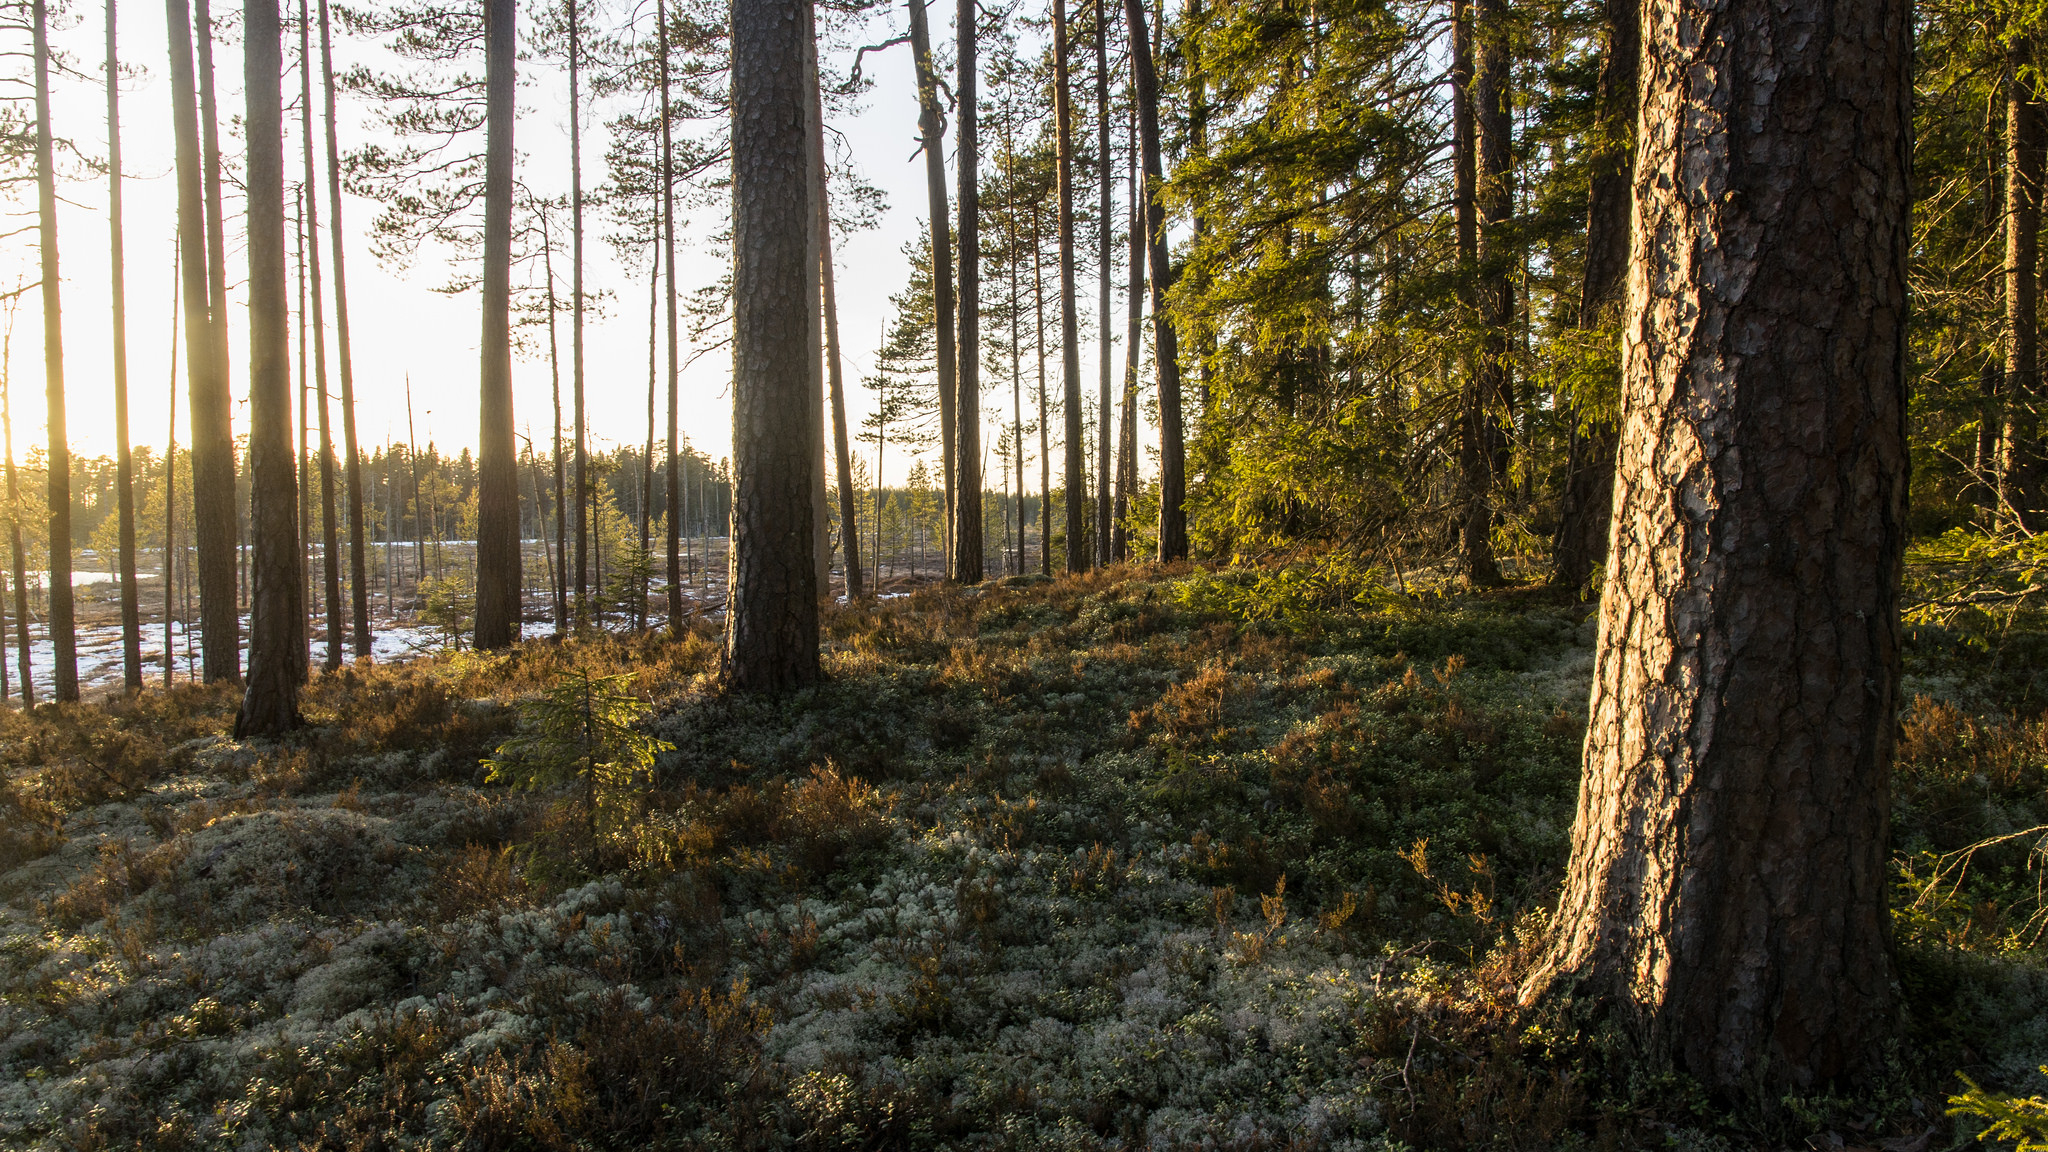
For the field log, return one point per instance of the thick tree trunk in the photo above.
(270, 705)
(771, 640)
(1484, 443)
(1727, 889)
(2024, 153)
(62, 629)
(1588, 504)
(124, 462)
(337, 621)
(931, 125)
(1079, 548)
(1173, 516)
(214, 518)
(497, 465)
(967, 556)
(1105, 347)
(352, 470)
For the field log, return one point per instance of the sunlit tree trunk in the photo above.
(1127, 424)
(931, 127)
(124, 461)
(337, 624)
(25, 666)
(576, 303)
(771, 641)
(668, 232)
(1483, 443)
(1173, 517)
(63, 633)
(559, 577)
(497, 497)
(2024, 154)
(1726, 897)
(278, 612)
(1079, 550)
(352, 470)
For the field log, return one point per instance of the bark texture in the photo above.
(497, 464)
(967, 405)
(124, 464)
(330, 546)
(62, 630)
(1484, 441)
(771, 640)
(270, 703)
(931, 124)
(1727, 887)
(1105, 347)
(1173, 484)
(2024, 152)
(352, 470)
(1079, 548)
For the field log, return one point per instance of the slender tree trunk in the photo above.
(63, 634)
(1105, 346)
(558, 578)
(1015, 261)
(647, 454)
(1726, 896)
(821, 504)
(1044, 413)
(305, 458)
(337, 621)
(26, 664)
(966, 535)
(576, 303)
(835, 382)
(1485, 446)
(170, 480)
(2024, 162)
(1127, 425)
(668, 216)
(497, 527)
(1173, 516)
(278, 615)
(352, 471)
(931, 126)
(214, 514)
(124, 461)
(1588, 505)
(771, 640)
(1078, 546)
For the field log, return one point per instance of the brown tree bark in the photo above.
(330, 543)
(576, 304)
(1588, 505)
(124, 462)
(1079, 548)
(24, 654)
(674, 538)
(967, 556)
(771, 640)
(61, 625)
(1484, 442)
(2024, 155)
(352, 470)
(497, 465)
(842, 452)
(1726, 897)
(1105, 347)
(270, 703)
(1173, 516)
(931, 125)
(1044, 413)
(1127, 424)
(214, 519)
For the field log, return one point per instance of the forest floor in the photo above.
(1169, 859)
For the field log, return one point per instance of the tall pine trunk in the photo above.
(25, 666)
(62, 626)
(1127, 424)
(1173, 515)
(1484, 442)
(674, 539)
(930, 125)
(1044, 412)
(330, 545)
(835, 382)
(559, 577)
(771, 640)
(497, 496)
(124, 461)
(1105, 346)
(270, 704)
(967, 557)
(2024, 162)
(576, 304)
(1726, 896)
(352, 470)
(1078, 549)
(1588, 505)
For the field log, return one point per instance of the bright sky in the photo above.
(400, 326)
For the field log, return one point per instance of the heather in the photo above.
(1181, 858)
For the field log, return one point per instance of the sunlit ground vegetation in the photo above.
(1178, 859)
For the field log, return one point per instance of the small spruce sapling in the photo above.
(583, 732)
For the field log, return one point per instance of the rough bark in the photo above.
(967, 556)
(2024, 153)
(124, 462)
(1588, 504)
(1173, 516)
(1727, 890)
(352, 470)
(270, 703)
(1484, 442)
(931, 125)
(214, 520)
(61, 624)
(771, 641)
(497, 465)
(1079, 550)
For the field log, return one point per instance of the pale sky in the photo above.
(401, 326)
